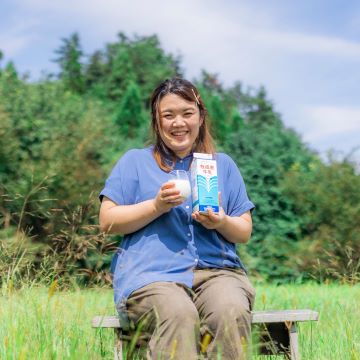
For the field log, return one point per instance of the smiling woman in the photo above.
(175, 265)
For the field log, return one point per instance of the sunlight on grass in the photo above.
(44, 323)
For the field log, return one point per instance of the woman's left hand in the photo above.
(211, 220)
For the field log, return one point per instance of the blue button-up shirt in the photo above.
(171, 246)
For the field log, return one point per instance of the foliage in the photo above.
(327, 200)
(130, 115)
(69, 60)
(140, 60)
(59, 138)
(51, 164)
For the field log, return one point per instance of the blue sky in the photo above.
(305, 53)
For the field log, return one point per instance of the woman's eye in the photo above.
(168, 116)
(188, 114)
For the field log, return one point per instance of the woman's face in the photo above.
(180, 123)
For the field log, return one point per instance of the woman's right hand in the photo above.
(167, 198)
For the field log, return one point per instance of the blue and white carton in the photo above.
(204, 182)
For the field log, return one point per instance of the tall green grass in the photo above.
(43, 323)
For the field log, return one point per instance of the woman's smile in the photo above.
(179, 135)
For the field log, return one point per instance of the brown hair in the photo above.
(164, 156)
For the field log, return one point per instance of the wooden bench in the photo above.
(277, 331)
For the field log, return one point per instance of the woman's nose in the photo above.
(178, 121)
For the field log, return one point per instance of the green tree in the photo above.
(69, 60)
(221, 108)
(141, 60)
(151, 63)
(1, 58)
(120, 75)
(264, 150)
(56, 147)
(95, 68)
(130, 114)
(9, 146)
(326, 198)
(218, 117)
(236, 121)
(210, 83)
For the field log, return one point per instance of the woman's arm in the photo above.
(236, 229)
(125, 219)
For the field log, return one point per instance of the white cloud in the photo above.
(326, 121)
(239, 40)
(17, 37)
(307, 44)
(12, 45)
(216, 24)
(353, 24)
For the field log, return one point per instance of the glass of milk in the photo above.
(182, 182)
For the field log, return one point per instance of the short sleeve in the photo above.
(122, 184)
(238, 201)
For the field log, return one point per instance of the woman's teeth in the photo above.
(179, 133)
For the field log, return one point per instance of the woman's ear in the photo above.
(201, 120)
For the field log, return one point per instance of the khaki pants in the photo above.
(212, 318)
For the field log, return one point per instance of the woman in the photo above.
(177, 272)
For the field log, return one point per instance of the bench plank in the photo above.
(275, 316)
(258, 317)
(106, 322)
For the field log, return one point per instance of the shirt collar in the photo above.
(187, 157)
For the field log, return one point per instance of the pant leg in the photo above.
(224, 299)
(166, 311)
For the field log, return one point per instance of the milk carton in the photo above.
(204, 183)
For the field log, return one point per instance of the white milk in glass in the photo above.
(183, 186)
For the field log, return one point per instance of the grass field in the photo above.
(40, 323)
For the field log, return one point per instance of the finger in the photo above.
(201, 218)
(195, 215)
(167, 185)
(170, 192)
(212, 216)
(176, 202)
(173, 198)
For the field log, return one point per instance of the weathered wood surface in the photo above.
(276, 316)
(258, 317)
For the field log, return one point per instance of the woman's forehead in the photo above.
(171, 102)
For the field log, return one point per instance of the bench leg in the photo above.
(294, 345)
(118, 351)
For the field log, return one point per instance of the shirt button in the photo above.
(181, 161)
(196, 261)
(187, 206)
(189, 234)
